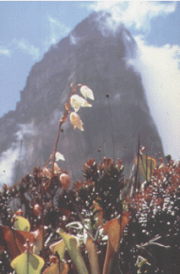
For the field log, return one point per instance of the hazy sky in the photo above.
(28, 29)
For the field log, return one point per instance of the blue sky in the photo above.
(28, 29)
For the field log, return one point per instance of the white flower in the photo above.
(56, 168)
(76, 121)
(87, 92)
(77, 102)
(59, 156)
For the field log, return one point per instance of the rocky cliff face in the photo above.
(96, 56)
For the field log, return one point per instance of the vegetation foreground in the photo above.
(103, 224)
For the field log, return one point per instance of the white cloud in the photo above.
(7, 164)
(73, 39)
(134, 13)
(159, 68)
(55, 117)
(27, 48)
(57, 30)
(9, 158)
(5, 52)
(26, 130)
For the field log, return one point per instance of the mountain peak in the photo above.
(103, 21)
(94, 54)
(96, 21)
(101, 26)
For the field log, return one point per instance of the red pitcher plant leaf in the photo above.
(114, 229)
(2, 248)
(15, 240)
(21, 238)
(97, 215)
(57, 268)
(93, 256)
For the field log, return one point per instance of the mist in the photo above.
(159, 69)
(17, 152)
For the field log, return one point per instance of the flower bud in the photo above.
(46, 172)
(56, 168)
(36, 209)
(65, 180)
(77, 102)
(87, 92)
(76, 121)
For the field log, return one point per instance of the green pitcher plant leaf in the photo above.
(58, 247)
(27, 263)
(74, 251)
(146, 165)
(20, 223)
(38, 240)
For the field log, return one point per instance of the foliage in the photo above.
(154, 229)
(87, 206)
(96, 225)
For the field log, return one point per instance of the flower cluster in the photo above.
(77, 102)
